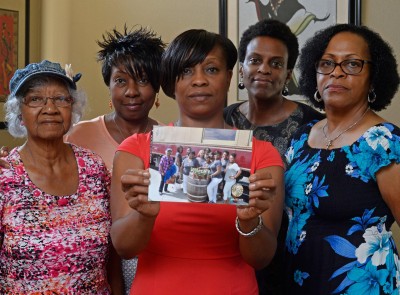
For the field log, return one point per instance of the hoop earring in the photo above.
(371, 96)
(317, 96)
(110, 105)
(285, 90)
(157, 102)
(241, 85)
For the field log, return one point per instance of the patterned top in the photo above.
(54, 244)
(279, 134)
(339, 239)
(165, 163)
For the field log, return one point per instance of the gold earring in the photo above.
(157, 103)
(110, 105)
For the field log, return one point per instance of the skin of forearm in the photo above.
(131, 234)
(258, 250)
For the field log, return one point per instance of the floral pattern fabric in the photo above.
(339, 239)
(54, 244)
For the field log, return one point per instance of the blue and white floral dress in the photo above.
(339, 239)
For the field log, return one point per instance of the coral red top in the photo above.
(194, 248)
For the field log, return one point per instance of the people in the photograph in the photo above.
(232, 173)
(215, 177)
(224, 162)
(187, 165)
(200, 157)
(207, 151)
(208, 160)
(268, 51)
(130, 66)
(54, 197)
(342, 181)
(182, 245)
(188, 151)
(165, 167)
(224, 159)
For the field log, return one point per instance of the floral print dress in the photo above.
(339, 239)
(54, 244)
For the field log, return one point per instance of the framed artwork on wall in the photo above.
(8, 49)
(12, 45)
(304, 17)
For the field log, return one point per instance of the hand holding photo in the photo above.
(200, 165)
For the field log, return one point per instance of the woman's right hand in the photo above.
(4, 153)
(135, 185)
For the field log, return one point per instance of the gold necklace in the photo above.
(329, 141)
(122, 134)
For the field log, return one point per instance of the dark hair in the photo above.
(189, 49)
(384, 75)
(139, 51)
(274, 29)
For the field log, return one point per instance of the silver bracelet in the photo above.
(254, 231)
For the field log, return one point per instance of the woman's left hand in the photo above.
(262, 192)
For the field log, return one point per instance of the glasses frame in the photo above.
(52, 98)
(363, 61)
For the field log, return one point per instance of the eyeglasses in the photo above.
(348, 66)
(39, 101)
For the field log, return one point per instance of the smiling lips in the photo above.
(262, 81)
(133, 106)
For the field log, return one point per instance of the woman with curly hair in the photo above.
(342, 181)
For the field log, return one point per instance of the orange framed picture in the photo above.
(9, 20)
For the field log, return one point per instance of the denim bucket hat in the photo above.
(45, 68)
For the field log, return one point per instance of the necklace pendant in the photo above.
(328, 143)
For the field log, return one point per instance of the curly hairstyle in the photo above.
(384, 75)
(14, 102)
(189, 49)
(138, 51)
(274, 29)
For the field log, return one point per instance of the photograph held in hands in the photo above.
(200, 165)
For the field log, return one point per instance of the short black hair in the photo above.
(138, 51)
(274, 29)
(189, 49)
(384, 75)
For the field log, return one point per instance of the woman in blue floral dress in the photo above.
(343, 176)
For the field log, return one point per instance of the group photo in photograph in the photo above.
(201, 165)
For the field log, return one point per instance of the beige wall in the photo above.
(81, 22)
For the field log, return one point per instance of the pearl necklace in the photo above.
(329, 141)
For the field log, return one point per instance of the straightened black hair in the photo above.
(189, 49)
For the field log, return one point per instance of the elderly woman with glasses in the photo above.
(54, 198)
(342, 181)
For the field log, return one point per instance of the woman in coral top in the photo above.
(190, 248)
